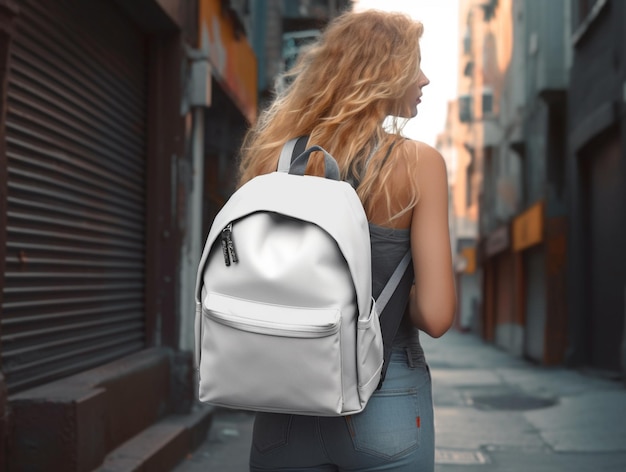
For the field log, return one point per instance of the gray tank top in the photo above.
(388, 247)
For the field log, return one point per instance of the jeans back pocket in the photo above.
(389, 425)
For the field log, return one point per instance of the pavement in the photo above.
(493, 412)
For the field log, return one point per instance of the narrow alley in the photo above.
(122, 126)
(493, 412)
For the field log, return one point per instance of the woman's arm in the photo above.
(432, 304)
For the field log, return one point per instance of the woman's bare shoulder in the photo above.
(413, 148)
(421, 157)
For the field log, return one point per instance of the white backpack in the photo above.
(285, 321)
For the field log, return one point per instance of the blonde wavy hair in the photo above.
(343, 88)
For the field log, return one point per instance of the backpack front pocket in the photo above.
(277, 351)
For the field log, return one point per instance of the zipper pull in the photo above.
(224, 241)
(228, 247)
(230, 244)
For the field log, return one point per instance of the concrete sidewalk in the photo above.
(493, 412)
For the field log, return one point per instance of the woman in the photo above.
(365, 67)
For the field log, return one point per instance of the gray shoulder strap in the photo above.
(393, 282)
(285, 155)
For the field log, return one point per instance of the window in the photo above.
(489, 9)
(467, 41)
(469, 176)
(489, 174)
(465, 108)
(487, 102)
(468, 71)
(469, 172)
(294, 42)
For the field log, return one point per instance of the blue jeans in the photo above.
(395, 432)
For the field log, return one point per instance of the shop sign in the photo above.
(499, 240)
(528, 228)
(233, 61)
(469, 255)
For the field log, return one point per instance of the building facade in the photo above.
(596, 180)
(512, 83)
(487, 180)
(540, 231)
(548, 165)
(108, 123)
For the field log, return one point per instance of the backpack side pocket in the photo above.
(369, 354)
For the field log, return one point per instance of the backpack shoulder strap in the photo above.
(391, 304)
(292, 149)
(393, 282)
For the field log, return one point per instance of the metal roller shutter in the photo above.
(74, 271)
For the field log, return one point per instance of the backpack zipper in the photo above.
(228, 247)
(275, 328)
